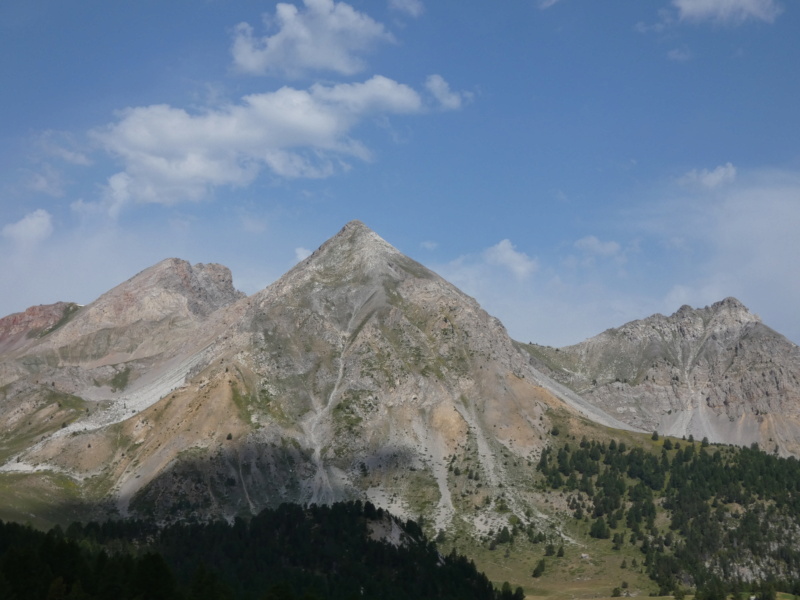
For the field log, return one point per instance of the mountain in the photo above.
(359, 374)
(715, 372)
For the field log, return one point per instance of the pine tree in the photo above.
(539, 569)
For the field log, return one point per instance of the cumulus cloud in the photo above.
(324, 36)
(504, 254)
(441, 91)
(32, 229)
(413, 8)
(727, 11)
(722, 175)
(171, 155)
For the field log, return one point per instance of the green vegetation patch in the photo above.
(120, 380)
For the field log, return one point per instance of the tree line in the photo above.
(733, 514)
(288, 553)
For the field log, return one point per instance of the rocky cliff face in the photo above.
(715, 372)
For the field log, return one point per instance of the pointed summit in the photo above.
(732, 306)
(354, 265)
(358, 249)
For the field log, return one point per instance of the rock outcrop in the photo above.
(24, 329)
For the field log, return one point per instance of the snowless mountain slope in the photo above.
(715, 372)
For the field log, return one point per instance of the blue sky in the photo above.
(572, 164)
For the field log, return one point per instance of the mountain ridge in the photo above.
(359, 374)
(715, 372)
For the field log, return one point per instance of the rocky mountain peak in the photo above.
(172, 289)
(154, 311)
(733, 309)
(347, 278)
(203, 287)
(715, 372)
(356, 249)
(21, 329)
(725, 318)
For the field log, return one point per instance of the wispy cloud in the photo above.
(32, 229)
(592, 245)
(413, 8)
(721, 175)
(504, 254)
(323, 36)
(720, 12)
(47, 180)
(440, 90)
(64, 146)
(681, 54)
(301, 253)
(727, 11)
(536, 300)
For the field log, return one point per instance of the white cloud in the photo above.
(412, 8)
(171, 155)
(325, 36)
(47, 180)
(543, 4)
(429, 245)
(301, 253)
(440, 90)
(32, 229)
(727, 11)
(681, 54)
(504, 254)
(723, 174)
(62, 145)
(252, 223)
(591, 245)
